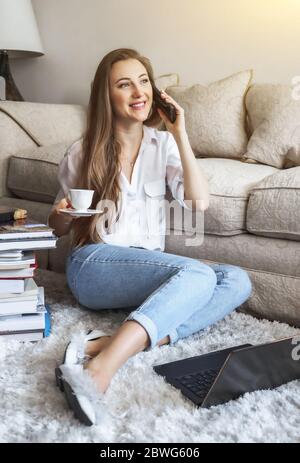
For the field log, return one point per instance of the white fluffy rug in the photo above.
(141, 406)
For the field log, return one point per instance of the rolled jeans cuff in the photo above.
(173, 335)
(148, 325)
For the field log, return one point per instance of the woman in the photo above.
(118, 263)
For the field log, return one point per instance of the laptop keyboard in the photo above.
(199, 383)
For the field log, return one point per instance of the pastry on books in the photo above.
(7, 214)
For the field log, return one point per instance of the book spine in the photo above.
(47, 330)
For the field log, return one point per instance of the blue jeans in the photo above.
(169, 295)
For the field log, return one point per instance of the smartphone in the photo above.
(168, 109)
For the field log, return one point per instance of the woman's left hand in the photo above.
(178, 127)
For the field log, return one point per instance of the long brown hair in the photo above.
(101, 161)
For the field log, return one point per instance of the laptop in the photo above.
(215, 378)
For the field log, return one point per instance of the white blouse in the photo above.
(142, 213)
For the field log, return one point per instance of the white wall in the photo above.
(202, 40)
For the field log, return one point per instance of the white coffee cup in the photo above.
(80, 199)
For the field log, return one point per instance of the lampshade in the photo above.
(19, 34)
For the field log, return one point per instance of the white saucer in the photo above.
(81, 212)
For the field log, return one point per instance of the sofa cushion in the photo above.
(274, 206)
(274, 117)
(245, 250)
(215, 115)
(230, 182)
(275, 294)
(32, 174)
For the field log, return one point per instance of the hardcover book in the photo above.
(28, 288)
(12, 285)
(11, 264)
(30, 335)
(25, 228)
(34, 303)
(16, 255)
(18, 272)
(26, 327)
(28, 243)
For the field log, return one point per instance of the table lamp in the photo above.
(19, 38)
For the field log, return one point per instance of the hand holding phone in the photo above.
(168, 109)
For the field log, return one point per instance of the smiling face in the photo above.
(130, 90)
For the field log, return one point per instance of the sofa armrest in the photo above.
(26, 125)
(12, 139)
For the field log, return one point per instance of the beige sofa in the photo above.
(253, 220)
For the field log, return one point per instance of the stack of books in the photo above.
(23, 312)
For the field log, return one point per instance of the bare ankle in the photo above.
(93, 348)
(165, 340)
(100, 375)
